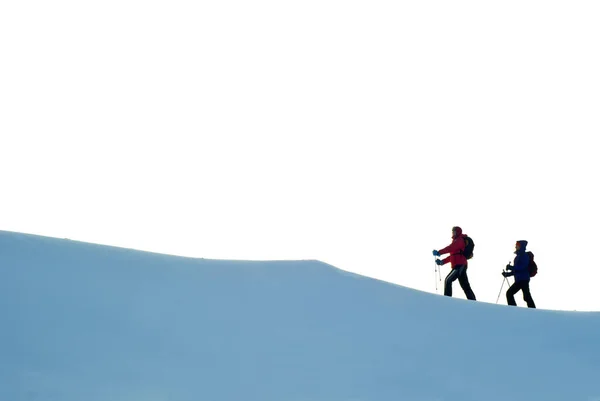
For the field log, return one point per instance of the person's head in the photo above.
(520, 245)
(456, 232)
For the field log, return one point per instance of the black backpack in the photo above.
(469, 246)
(532, 265)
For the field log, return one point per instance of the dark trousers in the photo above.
(460, 273)
(516, 287)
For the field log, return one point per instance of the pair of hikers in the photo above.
(459, 264)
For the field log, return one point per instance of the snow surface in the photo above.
(96, 323)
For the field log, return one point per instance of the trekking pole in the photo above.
(502, 286)
(507, 283)
(436, 273)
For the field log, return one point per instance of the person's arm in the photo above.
(521, 263)
(455, 247)
(446, 260)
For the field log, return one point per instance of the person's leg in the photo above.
(453, 275)
(464, 283)
(527, 295)
(510, 293)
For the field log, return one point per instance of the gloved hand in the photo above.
(439, 262)
(436, 253)
(509, 267)
(507, 274)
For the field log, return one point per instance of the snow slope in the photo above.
(97, 323)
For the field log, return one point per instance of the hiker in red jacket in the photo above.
(458, 262)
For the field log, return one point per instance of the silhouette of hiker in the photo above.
(458, 263)
(521, 272)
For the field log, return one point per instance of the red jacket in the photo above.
(456, 258)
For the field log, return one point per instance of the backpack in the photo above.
(469, 246)
(532, 265)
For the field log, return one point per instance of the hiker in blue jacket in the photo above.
(520, 270)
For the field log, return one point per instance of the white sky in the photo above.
(356, 133)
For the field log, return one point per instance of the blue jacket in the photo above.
(521, 263)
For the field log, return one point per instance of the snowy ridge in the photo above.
(90, 322)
